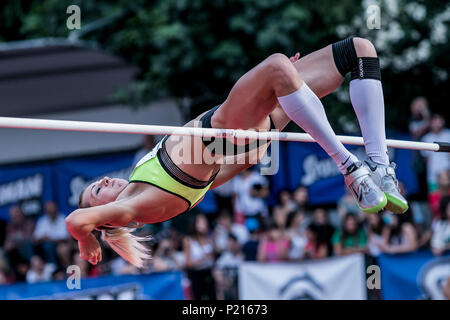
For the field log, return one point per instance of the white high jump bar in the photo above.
(87, 126)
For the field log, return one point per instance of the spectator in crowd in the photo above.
(82, 264)
(5, 272)
(419, 125)
(40, 271)
(224, 195)
(285, 200)
(50, 232)
(419, 122)
(301, 198)
(20, 271)
(166, 257)
(225, 273)
(419, 219)
(3, 261)
(177, 242)
(3, 277)
(279, 216)
(322, 229)
(250, 248)
(249, 189)
(65, 249)
(232, 256)
(436, 161)
(297, 235)
(274, 245)
(350, 238)
(59, 274)
(86, 269)
(118, 266)
(18, 243)
(440, 241)
(198, 248)
(347, 204)
(443, 189)
(313, 248)
(377, 234)
(402, 234)
(224, 227)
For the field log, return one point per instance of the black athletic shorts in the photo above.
(227, 145)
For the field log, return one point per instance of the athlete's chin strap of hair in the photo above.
(126, 244)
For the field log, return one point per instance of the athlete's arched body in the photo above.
(270, 95)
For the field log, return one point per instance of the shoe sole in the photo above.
(377, 208)
(395, 205)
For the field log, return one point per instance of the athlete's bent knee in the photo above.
(283, 75)
(364, 48)
(358, 56)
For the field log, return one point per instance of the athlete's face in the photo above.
(103, 191)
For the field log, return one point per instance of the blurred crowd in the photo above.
(208, 247)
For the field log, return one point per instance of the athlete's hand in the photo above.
(295, 58)
(90, 249)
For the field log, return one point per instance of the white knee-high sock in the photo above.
(305, 109)
(367, 99)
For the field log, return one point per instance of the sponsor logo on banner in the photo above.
(432, 277)
(21, 189)
(26, 191)
(415, 275)
(333, 278)
(302, 287)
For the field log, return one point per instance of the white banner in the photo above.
(331, 279)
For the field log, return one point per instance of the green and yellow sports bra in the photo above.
(158, 169)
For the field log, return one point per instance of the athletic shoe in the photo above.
(366, 193)
(384, 177)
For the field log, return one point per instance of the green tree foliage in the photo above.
(194, 50)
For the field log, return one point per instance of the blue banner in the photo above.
(412, 276)
(26, 185)
(208, 204)
(153, 286)
(30, 186)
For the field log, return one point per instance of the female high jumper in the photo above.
(274, 92)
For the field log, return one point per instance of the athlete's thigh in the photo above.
(249, 102)
(318, 70)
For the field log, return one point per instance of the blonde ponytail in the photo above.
(127, 245)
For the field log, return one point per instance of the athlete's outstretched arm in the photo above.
(82, 222)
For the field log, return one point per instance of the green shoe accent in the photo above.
(377, 208)
(395, 205)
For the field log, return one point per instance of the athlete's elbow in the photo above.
(70, 222)
(76, 226)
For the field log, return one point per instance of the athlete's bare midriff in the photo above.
(204, 170)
